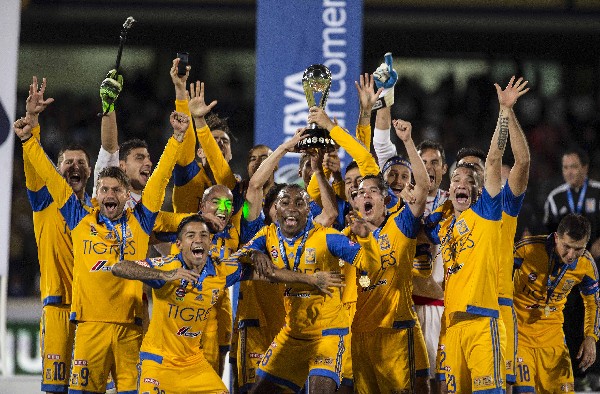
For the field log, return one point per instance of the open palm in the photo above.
(508, 97)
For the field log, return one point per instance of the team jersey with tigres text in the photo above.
(533, 259)
(308, 313)
(511, 206)
(180, 309)
(469, 246)
(387, 302)
(97, 294)
(52, 236)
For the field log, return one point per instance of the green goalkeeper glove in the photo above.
(110, 89)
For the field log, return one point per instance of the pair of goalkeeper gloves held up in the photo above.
(109, 90)
(385, 77)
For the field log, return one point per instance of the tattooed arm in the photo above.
(140, 270)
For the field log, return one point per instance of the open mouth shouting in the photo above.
(111, 208)
(197, 251)
(290, 221)
(368, 208)
(462, 196)
(74, 178)
(353, 193)
(144, 175)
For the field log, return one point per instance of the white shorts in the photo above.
(430, 317)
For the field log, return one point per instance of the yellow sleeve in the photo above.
(167, 222)
(219, 166)
(364, 159)
(363, 135)
(154, 192)
(340, 189)
(57, 185)
(313, 189)
(33, 181)
(224, 321)
(368, 258)
(187, 152)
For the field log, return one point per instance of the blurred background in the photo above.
(448, 54)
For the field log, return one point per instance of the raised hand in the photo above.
(290, 145)
(22, 127)
(508, 97)
(110, 88)
(317, 115)
(358, 225)
(316, 159)
(35, 103)
(366, 93)
(407, 194)
(198, 107)
(180, 123)
(327, 279)
(332, 162)
(403, 129)
(179, 81)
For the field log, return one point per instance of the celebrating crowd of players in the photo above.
(366, 280)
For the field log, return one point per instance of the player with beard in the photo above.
(546, 269)
(104, 307)
(312, 341)
(55, 247)
(388, 349)
(186, 288)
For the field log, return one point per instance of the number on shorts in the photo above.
(266, 357)
(159, 391)
(523, 372)
(442, 359)
(451, 384)
(59, 370)
(85, 374)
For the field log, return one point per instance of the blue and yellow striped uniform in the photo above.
(540, 331)
(312, 340)
(385, 312)
(171, 356)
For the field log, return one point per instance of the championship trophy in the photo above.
(316, 79)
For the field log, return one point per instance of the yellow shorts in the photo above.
(474, 359)
(289, 362)
(508, 316)
(103, 347)
(389, 359)
(210, 346)
(347, 374)
(198, 377)
(56, 343)
(440, 359)
(547, 368)
(253, 344)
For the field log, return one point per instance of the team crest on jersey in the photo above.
(180, 293)
(461, 227)
(274, 253)
(569, 283)
(532, 276)
(93, 231)
(384, 242)
(100, 266)
(215, 296)
(590, 205)
(310, 256)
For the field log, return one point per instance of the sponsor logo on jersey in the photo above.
(53, 356)
(93, 231)
(310, 256)
(185, 332)
(461, 227)
(152, 381)
(255, 355)
(274, 253)
(80, 362)
(372, 287)
(532, 276)
(288, 293)
(101, 266)
(454, 269)
(143, 263)
(180, 293)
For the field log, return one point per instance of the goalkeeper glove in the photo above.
(110, 89)
(385, 77)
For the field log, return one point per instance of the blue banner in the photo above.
(292, 35)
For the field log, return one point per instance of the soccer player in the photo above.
(55, 247)
(186, 288)
(311, 343)
(104, 307)
(547, 268)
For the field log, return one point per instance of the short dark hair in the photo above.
(433, 145)
(471, 151)
(270, 198)
(259, 146)
(352, 165)
(380, 182)
(126, 147)
(116, 173)
(215, 122)
(583, 156)
(290, 186)
(575, 226)
(195, 218)
(73, 147)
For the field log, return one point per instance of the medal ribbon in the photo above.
(120, 240)
(580, 200)
(299, 251)
(551, 285)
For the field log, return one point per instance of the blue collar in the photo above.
(209, 267)
(309, 226)
(103, 219)
(222, 234)
(87, 200)
(551, 250)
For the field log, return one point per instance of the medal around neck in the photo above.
(364, 281)
(316, 79)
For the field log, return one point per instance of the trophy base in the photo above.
(317, 139)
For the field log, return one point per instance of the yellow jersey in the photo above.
(511, 206)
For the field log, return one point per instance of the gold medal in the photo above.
(364, 281)
(341, 262)
(547, 310)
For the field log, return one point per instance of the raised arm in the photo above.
(493, 161)
(254, 194)
(385, 77)
(367, 98)
(519, 173)
(219, 166)
(328, 198)
(141, 270)
(403, 131)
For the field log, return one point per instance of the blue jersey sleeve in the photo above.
(487, 207)
(511, 204)
(341, 246)
(183, 175)
(249, 229)
(145, 217)
(39, 200)
(407, 223)
(73, 211)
